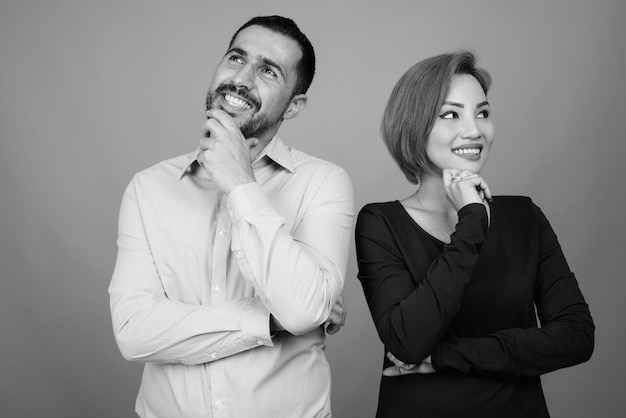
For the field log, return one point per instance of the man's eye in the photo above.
(269, 72)
(237, 59)
(449, 115)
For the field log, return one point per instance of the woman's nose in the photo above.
(470, 129)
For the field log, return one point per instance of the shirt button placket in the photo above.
(219, 294)
(221, 250)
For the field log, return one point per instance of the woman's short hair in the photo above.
(414, 104)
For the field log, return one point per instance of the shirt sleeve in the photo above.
(297, 274)
(149, 327)
(412, 314)
(565, 338)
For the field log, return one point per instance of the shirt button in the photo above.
(219, 404)
(239, 255)
(259, 342)
(218, 289)
(223, 233)
(213, 355)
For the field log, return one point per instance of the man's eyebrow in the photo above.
(271, 63)
(237, 51)
(462, 106)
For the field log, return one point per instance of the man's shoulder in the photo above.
(161, 176)
(178, 163)
(172, 167)
(306, 162)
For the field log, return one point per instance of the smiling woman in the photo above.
(452, 275)
(462, 126)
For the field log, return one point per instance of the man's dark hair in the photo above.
(285, 26)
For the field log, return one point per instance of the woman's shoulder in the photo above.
(382, 208)
(512, 202)
(382, 219)
(518, 208)
(380, 213)
(511, 199)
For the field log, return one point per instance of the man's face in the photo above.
(254, 81)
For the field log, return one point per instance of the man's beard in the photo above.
(252, 127)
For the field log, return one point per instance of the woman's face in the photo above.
(463, 132)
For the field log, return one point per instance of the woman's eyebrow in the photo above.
(462, 106)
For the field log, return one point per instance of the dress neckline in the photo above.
(434, 238)
(414, 222)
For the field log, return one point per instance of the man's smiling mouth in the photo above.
(236, 102)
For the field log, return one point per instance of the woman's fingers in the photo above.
(464, 187)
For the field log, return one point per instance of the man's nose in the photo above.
(244, 77)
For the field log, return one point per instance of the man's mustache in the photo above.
(242, 92)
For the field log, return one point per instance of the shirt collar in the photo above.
(276, 150)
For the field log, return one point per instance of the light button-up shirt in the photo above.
(198, 274)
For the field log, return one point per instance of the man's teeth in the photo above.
(235, 102)
(467, 151)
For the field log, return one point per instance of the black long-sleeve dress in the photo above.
(471, 305)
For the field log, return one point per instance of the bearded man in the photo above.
(232, 258)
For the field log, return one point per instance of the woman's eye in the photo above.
(483, 114)
(449, 115)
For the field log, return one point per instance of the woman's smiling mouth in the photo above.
(468, 152)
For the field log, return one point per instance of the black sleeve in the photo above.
(412, 314)
(566, 336)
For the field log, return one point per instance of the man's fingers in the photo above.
(223, 118)
(338, 313)
(212, 128)
(337, 317)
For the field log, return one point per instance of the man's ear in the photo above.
(297, 103)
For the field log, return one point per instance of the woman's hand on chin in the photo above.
(463, 187)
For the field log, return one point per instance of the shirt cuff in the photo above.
(255, 323)
(246, 199)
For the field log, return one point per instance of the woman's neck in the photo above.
(430, 209)
(432, 194)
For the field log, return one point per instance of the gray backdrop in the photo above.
(93, 91)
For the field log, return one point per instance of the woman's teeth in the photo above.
(467, 151)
